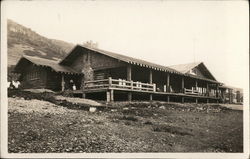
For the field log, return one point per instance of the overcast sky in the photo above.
(163, 32)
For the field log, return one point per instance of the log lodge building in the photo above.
(103, 75)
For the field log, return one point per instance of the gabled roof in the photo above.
(185, 68)
(121, 57)
(45, 63)
(178, 69)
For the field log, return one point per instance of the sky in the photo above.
(163, 32)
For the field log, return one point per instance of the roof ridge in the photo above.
(198, 62)
(37, 57)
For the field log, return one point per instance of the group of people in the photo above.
(13, 84)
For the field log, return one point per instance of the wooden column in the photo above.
(110, 81)
(150, 76)
(129, 96)
(168, 87)
(83, 95)
(207, 100)
(150, 81)
(111, 95)
(182, 84)
(207, 90)
(129, 73)
(223, 95)
(217, 90)
(63, 83)
(196, 100)
(129, 78)
(196, 84)
(182, 99)
(108, 96)
(167, 98)
(150, 97)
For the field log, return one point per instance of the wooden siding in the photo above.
(53, 80)
(116, 73)
(96, 61)
(38, 82)
(199, 72)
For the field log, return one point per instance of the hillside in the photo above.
(22, 40)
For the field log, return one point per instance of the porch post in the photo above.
(182, 84)
(63, 83)
(182, 99)
(129, 73)
(150, 76)
(150, 82)
(217, 90)
(111, 95)
(129, 78)
(207, 90)
(150, 97)
(223, 95)
(207, 100)
(108, 96)
(168, 88)
(196, 100)
(167, 98)
(83, 95)
(196, 84)
(129, 96)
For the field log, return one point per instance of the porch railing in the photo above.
(191, 91)
(132, 85)
(119, 83)
(196, 92)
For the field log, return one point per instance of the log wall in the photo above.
(95, 60)
(39, 81)
(53, 80)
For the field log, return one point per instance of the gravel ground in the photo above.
(40, 126)
(233, 106)
(78, 100)
(35, 106)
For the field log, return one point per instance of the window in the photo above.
(32, 75)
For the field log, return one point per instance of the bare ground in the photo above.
(41, 126)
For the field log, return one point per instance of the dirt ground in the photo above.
(40, 126)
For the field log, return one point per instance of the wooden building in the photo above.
(105, 75)
(38, 72)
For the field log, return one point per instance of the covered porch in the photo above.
(132, 80)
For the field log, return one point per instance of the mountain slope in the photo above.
(22, 40)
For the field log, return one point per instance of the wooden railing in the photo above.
(191, 91)
(132, 85)
(119, 83)
(196, 92)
